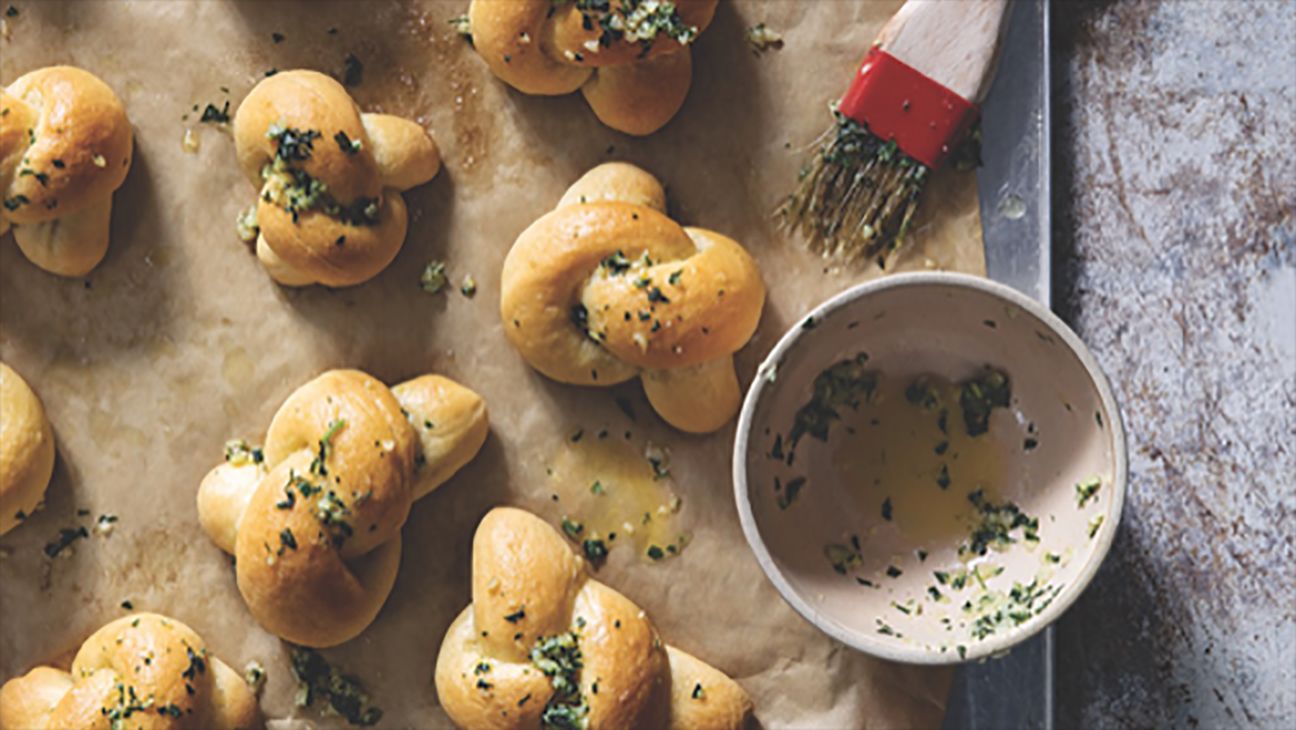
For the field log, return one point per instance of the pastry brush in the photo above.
(911, 103)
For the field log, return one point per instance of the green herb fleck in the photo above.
(790, 492)
(1095, 523)
(238, 453)
(981, 394)
(212, 115)
(572, 528)
(842, 558)
(254, 674)
(66, 537)
(292, 145)
(434, 277)
(1086, 490)
(346, 144)
(997, 522)
(762, 38)
(461, 26)
(595, 550)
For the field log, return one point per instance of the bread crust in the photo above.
(26, 450)
(329, 209)
(606, 287)
(529, 587)
(65, 147)
(541, 47)
(148, 670)
(315, 524)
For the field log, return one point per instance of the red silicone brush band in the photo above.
(897, 102)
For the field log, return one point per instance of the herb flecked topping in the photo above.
(559, 658)
(635, 21)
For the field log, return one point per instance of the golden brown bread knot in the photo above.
(65, 146)
(142, 671)
(543, 642)
(330, 210)
(26, 450)
(606, 287)
(630, 58)
(314, 520)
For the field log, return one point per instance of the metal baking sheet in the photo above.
(1016, 690)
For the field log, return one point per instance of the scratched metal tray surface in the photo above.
(1016, 690)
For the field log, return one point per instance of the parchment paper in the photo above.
(179, 340)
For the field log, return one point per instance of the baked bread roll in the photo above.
(65, 146)
(606, 287)
(314, 519)
(142, 671)
(26, 450)
(329, 210)
(629, 58)
(544, 643)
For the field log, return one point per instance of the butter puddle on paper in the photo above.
(614, 492)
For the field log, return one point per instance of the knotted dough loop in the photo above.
(330, 210)
(606, 287)
(65, 146)
(26, 450)
(542, 642)
(314, 519)
(142, 671)
(630, 58)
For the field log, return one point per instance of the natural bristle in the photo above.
(856, 194)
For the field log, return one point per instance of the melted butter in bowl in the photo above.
(911, 460)
(929, 467)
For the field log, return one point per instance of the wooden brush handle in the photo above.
(953, 42)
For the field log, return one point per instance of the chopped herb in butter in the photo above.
(1095, 523)
(979, 395)
(842, 558)
(1086, 490)
(846, 384)
(559, 658)
(996, 525)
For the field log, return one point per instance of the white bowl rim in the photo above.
(989, 647)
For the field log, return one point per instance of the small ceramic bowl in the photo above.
(930, 467)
